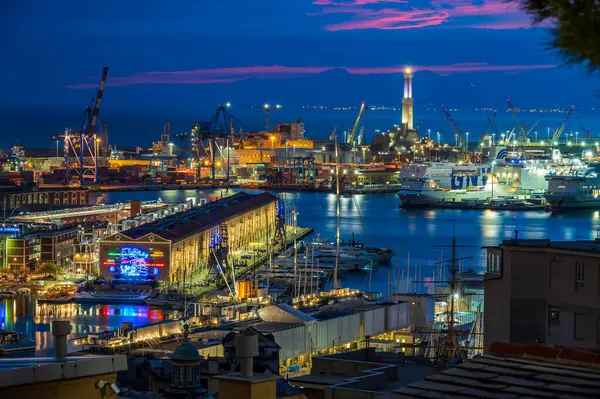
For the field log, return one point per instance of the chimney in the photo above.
(246, 348)
(61, 330)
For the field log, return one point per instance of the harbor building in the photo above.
(184, 244)
(15, 197)
(543, 291)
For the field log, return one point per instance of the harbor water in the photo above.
(423, 236)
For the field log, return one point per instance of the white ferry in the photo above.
(506, 175)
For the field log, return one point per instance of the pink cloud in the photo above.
(397, 14)
(236, 74)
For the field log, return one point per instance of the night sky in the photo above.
(182, 54)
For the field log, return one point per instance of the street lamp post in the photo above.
(438, 137)
(170, 148)
(455, 140)
(429, 133)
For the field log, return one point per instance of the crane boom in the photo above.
(537, 122)
(98, 100)
(520, 131)
(356, 123)
(583, 129)
(490, 123)
(558, 132)
(455, 129)
(333, 133)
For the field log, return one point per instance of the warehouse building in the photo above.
(183, 243)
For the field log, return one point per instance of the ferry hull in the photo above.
(563, 202)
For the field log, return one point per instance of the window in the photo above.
(553, 315)
(578, 327)
(579, 273)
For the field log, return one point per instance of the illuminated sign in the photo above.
(134, 261)
(10, 229)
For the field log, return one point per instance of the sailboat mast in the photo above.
(337, 212)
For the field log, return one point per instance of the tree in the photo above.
(575, 28)
(48, 268)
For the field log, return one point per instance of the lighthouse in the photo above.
(407, 101)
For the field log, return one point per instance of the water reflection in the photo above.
(379, 221)
(25, 315)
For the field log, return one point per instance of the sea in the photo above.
(421, 239)
(139, 127)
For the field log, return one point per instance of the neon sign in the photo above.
(134, 261)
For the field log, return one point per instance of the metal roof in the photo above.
(513, 377)
(284, 313)
(185, 224)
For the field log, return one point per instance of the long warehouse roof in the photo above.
(198, 219)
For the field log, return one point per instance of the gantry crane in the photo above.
(333, 134)
(558, 132)
(354, 130)
(455, 129)
(205, 135)
(81, 148)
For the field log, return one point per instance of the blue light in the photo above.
(133, 262)
(112, 269)
(155, 271)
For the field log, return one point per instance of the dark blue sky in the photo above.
(187, 54)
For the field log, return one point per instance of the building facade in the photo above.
(185, 243)
(19, 198)
(543, 291)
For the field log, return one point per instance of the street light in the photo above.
(455, 140)
(467, 141)
(429, 133)
(272, 138)
(438, 137)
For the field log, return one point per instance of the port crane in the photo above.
(519, 128)
(490, 124)
(81, 148)
(204, 136)
(532, 128)
(361, 113)
(583, 129)
(558, 132)
(455, 129)
(333, 134)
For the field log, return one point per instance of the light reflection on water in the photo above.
(23, 314)
(377, 220)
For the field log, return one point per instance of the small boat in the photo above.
(11, 341)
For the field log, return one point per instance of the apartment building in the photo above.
(543, 291)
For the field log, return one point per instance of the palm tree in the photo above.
(574, 27)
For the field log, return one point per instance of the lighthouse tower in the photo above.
(407, 101)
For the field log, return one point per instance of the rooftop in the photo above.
(22, 371)
(591, 246)
(513, 372)
(197, 219)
